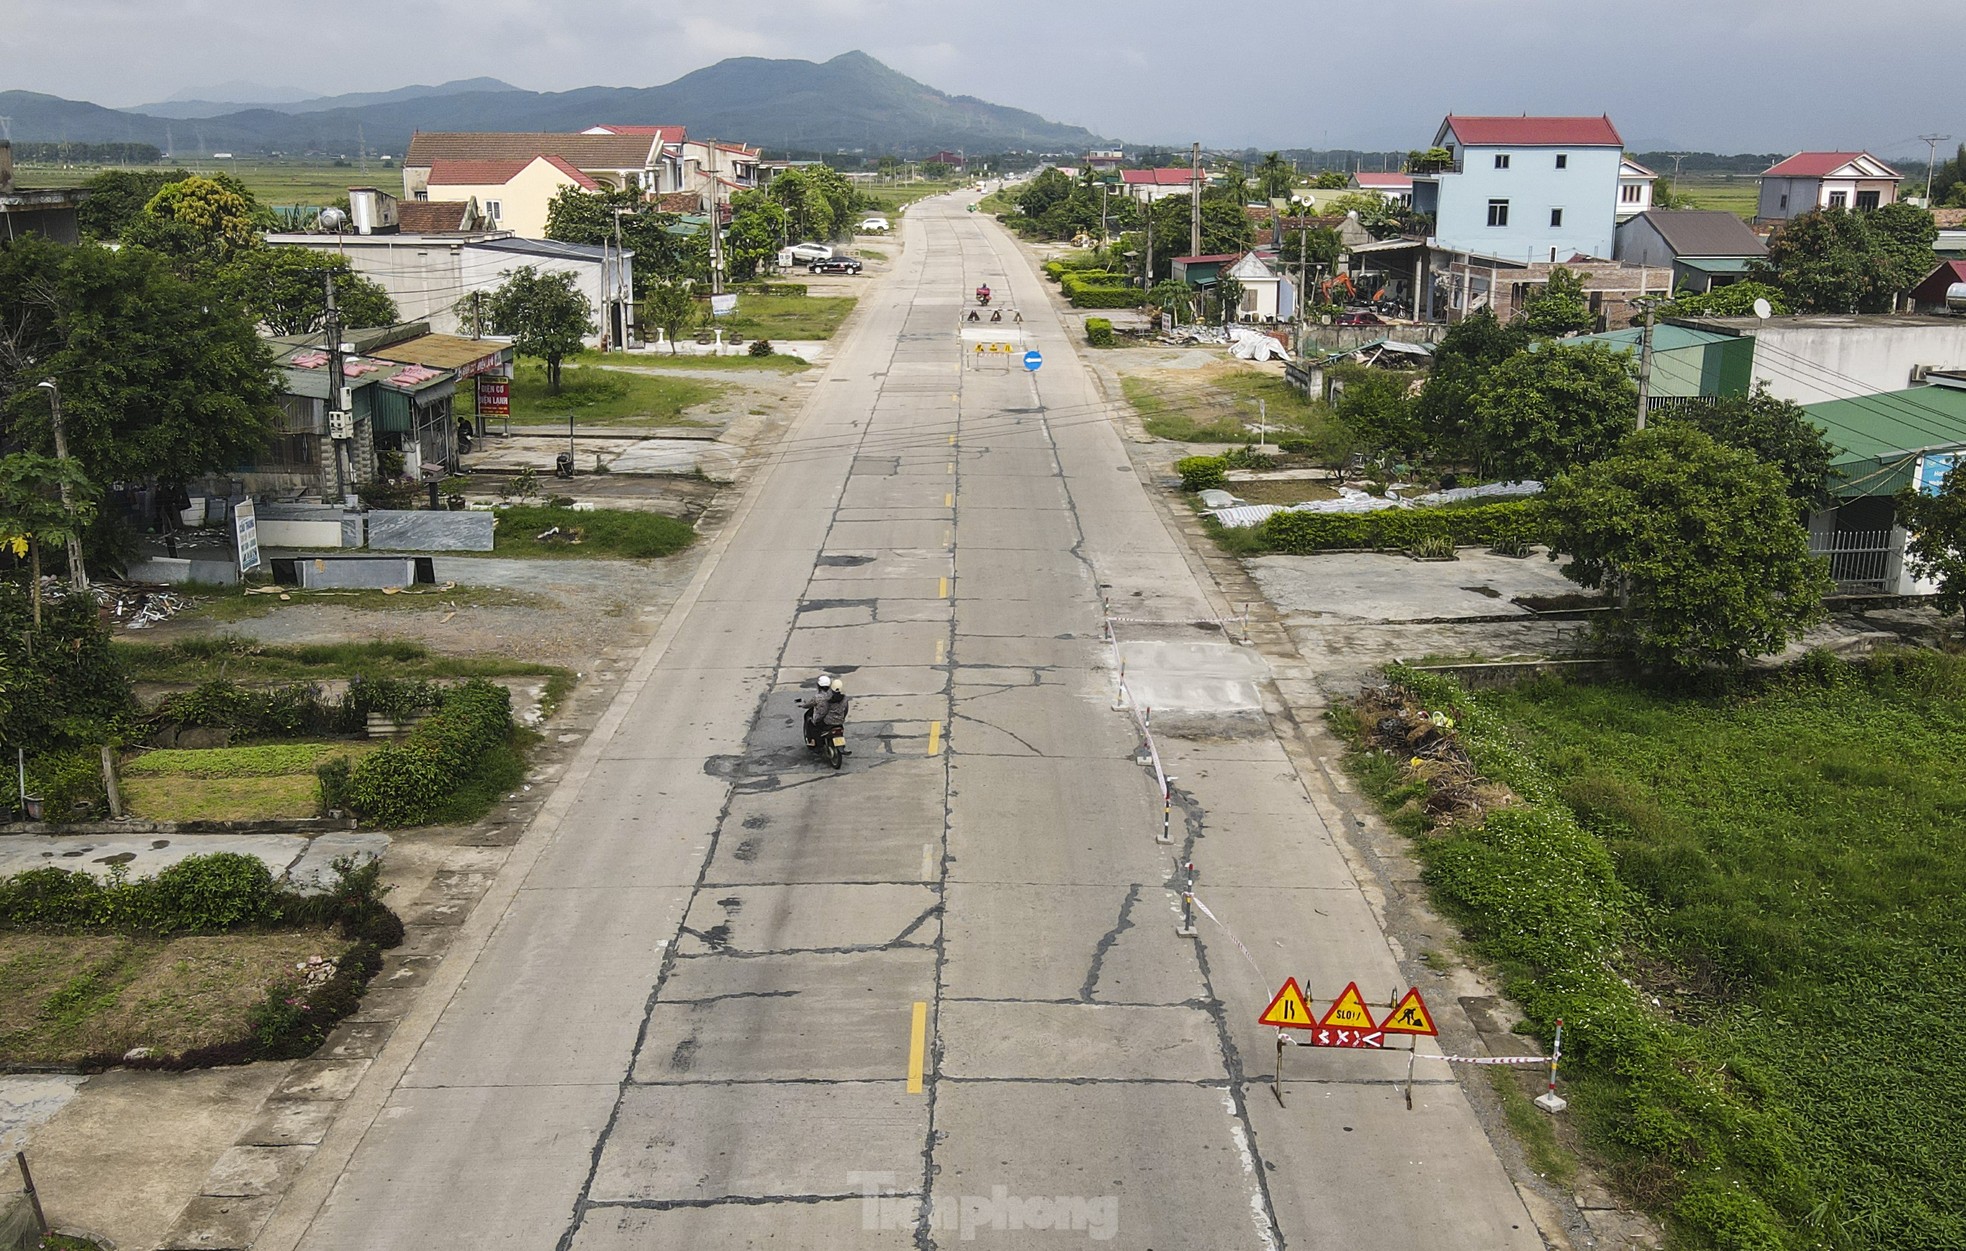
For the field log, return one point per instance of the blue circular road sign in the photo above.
(1033, 359)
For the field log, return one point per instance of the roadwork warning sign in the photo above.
(1348, 1011)
(1410, 1016)
(1288, 1010)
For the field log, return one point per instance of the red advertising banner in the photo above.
(494, 397)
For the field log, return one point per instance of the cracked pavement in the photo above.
(685, 1014)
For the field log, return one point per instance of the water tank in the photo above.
(1956, 298)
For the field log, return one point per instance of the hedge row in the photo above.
(296, 709)
(406, 782)
(774, 288)
(1056, 268)
(1108, 297)
(1075, 281)
(1099, 331)
(1505, 523)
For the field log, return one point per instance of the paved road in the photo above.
(691, 1011)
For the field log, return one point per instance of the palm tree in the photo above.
(1275, 177)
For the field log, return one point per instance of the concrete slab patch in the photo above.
(756, 1140)
(1067, 822)
(832, 1018)
(1078, 1040)
(256, 1170)
(780, 1226)
(1101, 1163)
(220, 1224)
(822, 916)
(1105, 943)
(290, 1123)
(321, 1079)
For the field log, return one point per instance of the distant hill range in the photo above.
(184, 108)
(851, 102)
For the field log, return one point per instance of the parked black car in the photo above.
(835, 265)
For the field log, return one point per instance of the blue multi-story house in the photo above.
(1523, 189)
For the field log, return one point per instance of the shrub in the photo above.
(1202, 473)
(283, 711)
(1099, 331)
(405, 783)
(202, 894)
(334, 776)
(760, 347)
(293, 1020)
(1108, 297)
(69, 784)
(1404, 529)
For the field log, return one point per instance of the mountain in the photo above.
(851, 102)
(243, 92)
(182, 109)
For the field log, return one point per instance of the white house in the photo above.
(1523, 189)
(1148, 185)
(1634, 189)
(1396, 188)
(1809, 181)
(1263, 290)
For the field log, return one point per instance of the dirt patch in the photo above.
(65, 997)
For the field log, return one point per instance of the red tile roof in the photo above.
(1159, 177)
(1933, 289)
(580, 180)
(651, 131)
(423, 217)
(583, 151)
(1949, 218)
(1206, 260)
(1384, 182)
(488, 173)
(1818, 165)
(1579, 132)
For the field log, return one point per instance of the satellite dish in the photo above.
(1763, 309)
(333, 219)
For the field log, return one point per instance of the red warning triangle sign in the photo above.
(1288, 1010)
(1349, 1011)
(1410, 1016)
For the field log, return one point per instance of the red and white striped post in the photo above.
(1549, 1100)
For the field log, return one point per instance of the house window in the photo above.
(1563, 160)
(1498, 212)
(1501, 160)
(491, 210)
(1785, 201)
(1839, 199)
(1556, 217)
(1866, 199)
(423, 193)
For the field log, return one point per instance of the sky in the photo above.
(1707, 75)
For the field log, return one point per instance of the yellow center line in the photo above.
(934, 737)
(952, 466)
(941, 650)
(942, 591)
(917, 1047)
(952, 440)
(949, 500)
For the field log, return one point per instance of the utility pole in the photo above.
(620, 286)
(1194, 204)
(1147, 275)
(78, 574)
(716, 229)
(1932, 143)
(338, 431)
(1645, 365)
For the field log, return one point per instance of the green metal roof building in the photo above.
(1687, 362)
(1883, 439)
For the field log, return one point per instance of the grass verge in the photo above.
(737, 362)
(267, 782)
(788, 316)
(231, 603)
(1220, 404)
(67, 997)
(243, 660)
(1743, 906)
(606, 397)
(604, 532)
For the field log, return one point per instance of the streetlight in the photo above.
(78, 574)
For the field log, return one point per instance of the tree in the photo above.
(1375, 212)
(1274, 177)
(162, 377)
(545, 316)
(1837, 261)
(672, 306)
(200, 219)
(1377, 406)
(1700, 542)
(758, 228)
(1225, 230)
(32, 512)
(659, 254)
(1555, 408)
(1776, 431)
(1937, 546)
(1471, 348)
(818, 200)
(1734, 300)
(116, 196)
(285, 289)
(1560, 308)
(1228, 295)
(1329, 180)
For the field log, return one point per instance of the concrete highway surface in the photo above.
(722, 996)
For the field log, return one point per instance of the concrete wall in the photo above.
(1640, 244)
(1586, 190)
(483, 269)
(423, 274)
(1842, 361)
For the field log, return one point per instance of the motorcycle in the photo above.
(983, 295)
(829, 742)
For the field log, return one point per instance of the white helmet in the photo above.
(839, 687)
(825, 681)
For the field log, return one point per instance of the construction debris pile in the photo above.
(138, 605)
(1425, 742)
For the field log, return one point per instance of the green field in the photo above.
(599, 534)
(738, 361)
(606, 397)
(1787, 896)
(1223, 404)
(274, 182)
(788, 316)
(1735, 193)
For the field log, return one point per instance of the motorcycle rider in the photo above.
(825, 685)
(983, 294)
(827, 712)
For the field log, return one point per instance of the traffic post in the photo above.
(1187, 927)
(1033, 360)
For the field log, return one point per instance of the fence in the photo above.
(1859, 560)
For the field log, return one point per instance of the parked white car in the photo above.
(873, 225)
(807, 253)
